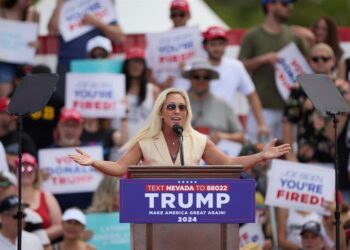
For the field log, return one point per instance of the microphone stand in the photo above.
(181, 138)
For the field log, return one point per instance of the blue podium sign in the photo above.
(187, 201)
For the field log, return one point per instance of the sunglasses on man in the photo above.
(177, 14)
(317, 59)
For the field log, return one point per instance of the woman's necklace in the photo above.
(173, 147)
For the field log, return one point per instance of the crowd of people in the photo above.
(201, 98)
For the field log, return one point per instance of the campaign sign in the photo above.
(109, 233)
(187, 201)
(15, 37)
(96, 95)
(291, 63)
(166, 51)
(300, 186)
(96, 66)
(66, 176)
(70, 22)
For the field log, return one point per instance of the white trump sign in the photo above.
(15, 37)
(66, 176)
(300, 186)
(96, 95)
(70, 22)
(291, 63)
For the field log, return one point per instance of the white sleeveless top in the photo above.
(155, 150)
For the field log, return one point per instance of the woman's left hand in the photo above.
(271, 152)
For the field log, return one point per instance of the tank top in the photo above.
(43, 210)
(155, 150)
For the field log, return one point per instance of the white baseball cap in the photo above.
(99, 42)
(74, 214)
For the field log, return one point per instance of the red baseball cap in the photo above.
(27, 159)
(4, 101)
(70, 115)
(135, 52)
(215, 32)
(180, 5)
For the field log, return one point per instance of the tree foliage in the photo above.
(248, 13)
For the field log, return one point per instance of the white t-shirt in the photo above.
(29, 242)
(233, 77)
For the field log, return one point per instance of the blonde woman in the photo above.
(106, 197)
(157, 143)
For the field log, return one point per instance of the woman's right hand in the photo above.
(82, 158)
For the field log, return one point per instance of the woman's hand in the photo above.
(271, 152)
(82, 158)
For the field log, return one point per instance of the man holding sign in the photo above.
(77, 22)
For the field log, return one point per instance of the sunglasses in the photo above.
(172, 106)
(180, 14)
(201, 77)
(317, 59)
(27, 168)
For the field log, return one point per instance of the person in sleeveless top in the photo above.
(74, 222)
(42, 202)
(157, 143)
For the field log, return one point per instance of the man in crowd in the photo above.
(8, 233)
(9, 135)
(259, 55)
(311, 238)
(211, 115)
(233, 75)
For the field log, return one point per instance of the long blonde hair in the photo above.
(106, 197)
(155, 123)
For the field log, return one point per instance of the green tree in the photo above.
(248, 13)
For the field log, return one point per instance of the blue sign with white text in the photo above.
(187, 201)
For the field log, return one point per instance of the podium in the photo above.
(185, 236)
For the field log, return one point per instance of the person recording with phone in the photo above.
(158, 143)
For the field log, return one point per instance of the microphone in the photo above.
(178, 129)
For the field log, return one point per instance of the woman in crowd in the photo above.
(158, 144)
(42, 202)
(106, 197)
(325, 30)
(73, 224)
(14, 10)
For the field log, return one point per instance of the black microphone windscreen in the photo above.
(178, 129)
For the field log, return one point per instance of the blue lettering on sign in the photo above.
(169, 48)
(83, 93)
(68, 170)
(287, 69)
(301, 186)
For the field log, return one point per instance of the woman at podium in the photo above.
(159, 143)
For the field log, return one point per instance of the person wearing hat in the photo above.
(73, 222)
(211, 114)
(234, 78)
(311, 236)
(258, 52)
(99, 47)
(69, 128)
(69, 131)
(9, 135)
(8, 183)
(179, 13)
(40, 201)
(9, 230)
